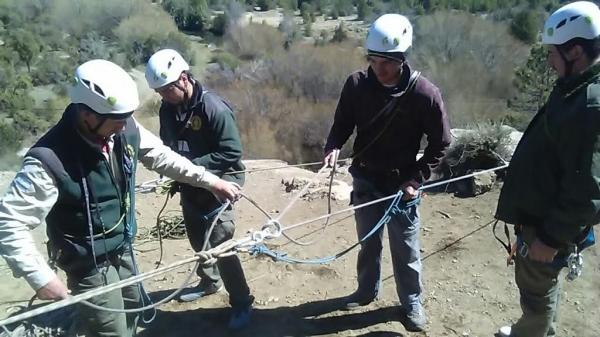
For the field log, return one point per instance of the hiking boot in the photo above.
(355, 300)
(415, 319)
(240, 317)
(199, 291)
(504, 331)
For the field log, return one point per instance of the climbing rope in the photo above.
(208, 259)
(396, 208)
(324, 227)
(252, 243)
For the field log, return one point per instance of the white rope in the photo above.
(422, 188)
(210, 256)
(152, 185)
(207, 258)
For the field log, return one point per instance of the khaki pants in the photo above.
(96, 323)
(539, 287)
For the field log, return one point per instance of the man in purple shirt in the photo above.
(391, 107)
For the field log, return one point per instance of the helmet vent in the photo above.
(98, 90)
(562, 23)
(574, 17)
(86, 82)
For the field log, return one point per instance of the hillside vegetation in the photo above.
(284, 81)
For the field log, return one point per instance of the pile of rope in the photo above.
(171, 226)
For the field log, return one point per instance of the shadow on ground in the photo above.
(301, 320)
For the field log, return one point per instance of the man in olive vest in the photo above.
(79, 178)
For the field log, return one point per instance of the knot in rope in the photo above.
(206, 258)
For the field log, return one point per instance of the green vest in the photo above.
(95, 200)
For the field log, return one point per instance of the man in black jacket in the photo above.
(552, 189)
(201, 126)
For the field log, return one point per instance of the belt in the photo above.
(389, 172)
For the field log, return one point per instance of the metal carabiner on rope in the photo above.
(272, 229)
(575, 265)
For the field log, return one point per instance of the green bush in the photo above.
(94, 46)
(253, 40)
(363, 10)
(525, 26)
(10, 138)
(55, 69)
(265, 5)
(226, 60)
(482, 145)
(340, 33)
(219, 25)
(145, 32)
(188, 14)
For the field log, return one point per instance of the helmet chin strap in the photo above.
(94, 130)
(568, 64)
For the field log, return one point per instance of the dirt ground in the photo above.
(469, 289)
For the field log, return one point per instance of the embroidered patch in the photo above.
(196, 123)
(130, 150)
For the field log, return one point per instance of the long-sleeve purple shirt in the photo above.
(419, 112)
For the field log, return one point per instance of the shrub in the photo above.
(525, 26)
(80, 17)
(10, 138)
(253, 40)
(143, 33)
(188, 14)
(226, 60)
(315, 73)
(56, 69)
(455, 50)
(483, 145)
(340, 33)
(219, 25)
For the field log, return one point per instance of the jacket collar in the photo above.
(572, 84)
(196, 95)
(390, 91)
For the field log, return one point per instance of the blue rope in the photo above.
(214, 212)
(396, 208)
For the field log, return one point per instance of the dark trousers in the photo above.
(228, 269)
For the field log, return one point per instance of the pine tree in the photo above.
(534, 81)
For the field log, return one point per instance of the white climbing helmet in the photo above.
(105, 88)
(578, 19)
(165, 67)
(390, 33)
